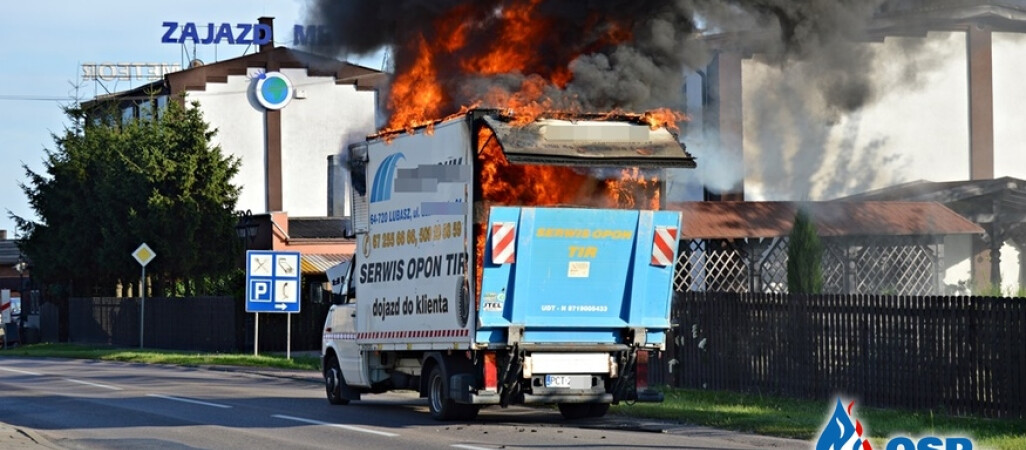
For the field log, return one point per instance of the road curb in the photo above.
(17, 438)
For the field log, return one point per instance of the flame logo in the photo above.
(842, 431)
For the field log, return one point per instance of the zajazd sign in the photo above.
(214, 33)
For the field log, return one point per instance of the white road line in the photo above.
(105, 386)
(471, 447)
(336, 425)
(187, 400)
(20, 371)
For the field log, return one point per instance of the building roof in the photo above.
(739, 220)
(999, 200)
(9, 252)
(317, 227)
(918, 16)
(195, 78)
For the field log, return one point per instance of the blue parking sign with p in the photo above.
(259, 290)
(273, 280)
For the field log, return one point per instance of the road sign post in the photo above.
(272, 286)
(144, 254)
(5, 313)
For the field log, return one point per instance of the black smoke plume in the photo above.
(642, 72)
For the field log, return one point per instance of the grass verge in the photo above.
(802, 419)
(149, 356)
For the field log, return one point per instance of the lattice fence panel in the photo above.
(712, 265)
(835, 261)
(891, 269)
(773, 266)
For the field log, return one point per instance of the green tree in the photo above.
(111, 184)
(804, 257)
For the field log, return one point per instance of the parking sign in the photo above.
(272, 281)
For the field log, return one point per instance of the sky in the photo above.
(47, 41)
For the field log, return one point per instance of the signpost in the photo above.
(144, 254)
(272, 286)
(5, 313)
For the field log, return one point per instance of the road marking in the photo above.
(20, 371)
(105, 386)
(187, 400)
(336, 425)
(471, 447)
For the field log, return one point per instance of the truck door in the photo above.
(344, 318)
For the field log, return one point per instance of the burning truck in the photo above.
(508, 259)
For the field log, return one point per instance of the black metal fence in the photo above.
(965, 355)
(213, 324)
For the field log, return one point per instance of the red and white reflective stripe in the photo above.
(503, 243)
(664, 246)
(5, 306)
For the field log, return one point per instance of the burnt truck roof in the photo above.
(618, 142)
(608, 140)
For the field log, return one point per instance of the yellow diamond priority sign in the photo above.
(144, 254)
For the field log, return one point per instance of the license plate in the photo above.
(557, 381)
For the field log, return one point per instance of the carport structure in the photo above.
(998, 206)
(869, 247)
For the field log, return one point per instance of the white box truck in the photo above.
(501, 263)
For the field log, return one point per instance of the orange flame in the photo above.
(421, 92)
(503, 183)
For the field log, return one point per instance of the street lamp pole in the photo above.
(246, 229)
(20, 267)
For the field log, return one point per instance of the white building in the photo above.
(288, 115)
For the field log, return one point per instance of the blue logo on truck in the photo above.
(384, 178)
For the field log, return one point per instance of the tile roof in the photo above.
(317, 227)
(738, 220)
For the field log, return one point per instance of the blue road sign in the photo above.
(272, 281)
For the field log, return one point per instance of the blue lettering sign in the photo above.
(189, 31)
(311, 35)
(213, 33)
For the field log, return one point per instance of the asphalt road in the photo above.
(80, 404)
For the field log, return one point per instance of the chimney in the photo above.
(3, 235)
(269, 21)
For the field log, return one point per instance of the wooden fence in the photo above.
(964, 355)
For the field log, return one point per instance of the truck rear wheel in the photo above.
(573, 411)
(442, 407)
(334, 382)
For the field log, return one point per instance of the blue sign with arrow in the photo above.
(272, 281)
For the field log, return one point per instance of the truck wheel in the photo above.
(462, 302)
(334, 382)
(571, 411)
(598, 409)
(442, 407)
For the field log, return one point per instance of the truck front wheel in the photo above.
(334, 382)
(442, 407)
